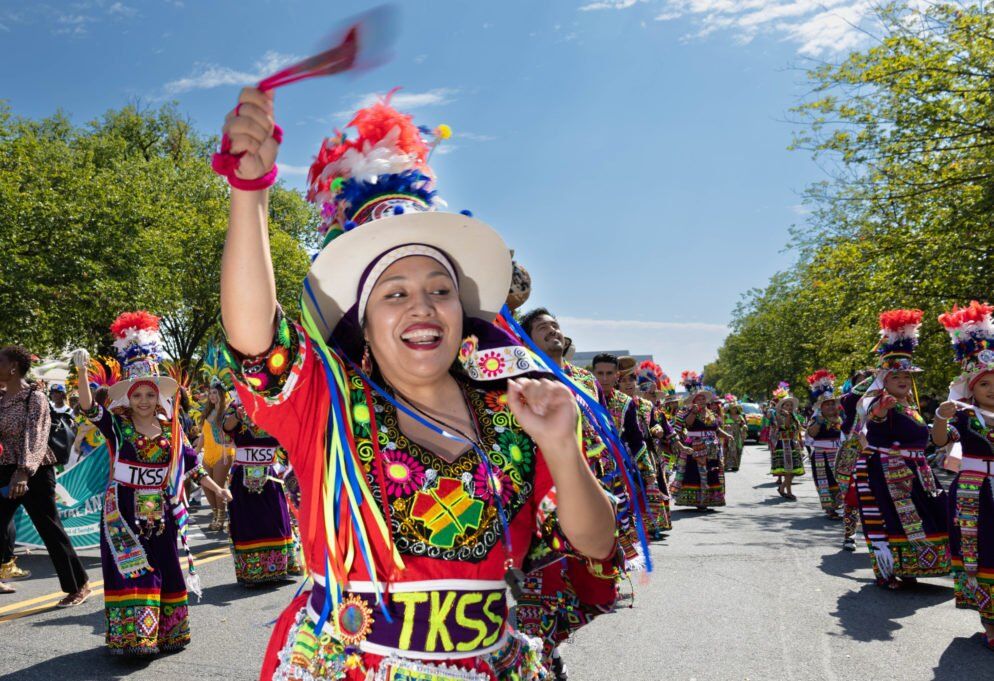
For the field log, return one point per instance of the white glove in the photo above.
(80, 358)
(885, 559)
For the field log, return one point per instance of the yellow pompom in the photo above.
(443, 132)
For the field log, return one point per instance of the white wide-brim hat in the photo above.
(118, 393)
(784, 400)
(481, 259)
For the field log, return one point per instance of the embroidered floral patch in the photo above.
(442, 509)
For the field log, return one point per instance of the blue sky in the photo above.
(632, 152)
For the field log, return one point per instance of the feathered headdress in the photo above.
(691, 381)
(666, 384)
(215, 369)
(139, 348)
(971, 331)
(648, 376)
(898, 339)
(136, 335)
(822, 384)
(782, 391)
(383, 170)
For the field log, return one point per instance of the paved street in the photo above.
(756, 591)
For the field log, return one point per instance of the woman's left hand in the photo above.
(225, 494)
(18, 484)
(545, 409)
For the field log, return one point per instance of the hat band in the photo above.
(389, 258)
(980, 374)
(139, 383)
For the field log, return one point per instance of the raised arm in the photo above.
(81, 360)
(248, 288)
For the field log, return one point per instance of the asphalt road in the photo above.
(759, 590)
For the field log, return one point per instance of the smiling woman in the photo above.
(423, 437)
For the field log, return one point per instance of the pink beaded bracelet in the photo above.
(224, 163)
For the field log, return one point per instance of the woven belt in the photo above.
(255, 456)
(140, 475)
(432, 619)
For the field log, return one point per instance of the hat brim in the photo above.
(689, 397)
(119, 391)
(783, 400)
(479, 255)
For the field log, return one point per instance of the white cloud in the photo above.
(287, 169)
(609, 4)
(208, 76)
(817, 27)
(474, 137)
(402, 100)
(674, 345)
(120, 9)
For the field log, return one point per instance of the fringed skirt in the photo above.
(903, 510)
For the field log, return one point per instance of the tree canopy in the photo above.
(122, 213)
(905, 129)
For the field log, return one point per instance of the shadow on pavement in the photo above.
(871, 613)
(221, 595)
(97, 662)
(966, 659)
(843, 563)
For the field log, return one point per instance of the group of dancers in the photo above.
(461, 497)
(868, 458)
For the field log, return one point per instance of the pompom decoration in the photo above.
(970, 329)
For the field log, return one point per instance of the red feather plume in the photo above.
(975, 312)
(895, 320)
(141, 320)
(820, 375)
(372, 124)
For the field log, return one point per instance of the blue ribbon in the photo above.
(602, 421)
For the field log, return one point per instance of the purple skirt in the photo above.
(261, 533)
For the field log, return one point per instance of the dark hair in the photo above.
(604, 358)
(19, 355)
(184, 398)
(100, 396)
(528, 321)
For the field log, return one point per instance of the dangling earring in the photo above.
(367, 361)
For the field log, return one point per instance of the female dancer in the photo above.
(261, 532)
(786, 443)
(217, 451)
(699, 480)
(825, 431)
(967, 417)
(421, 447)
(145, 594)
(901, 505)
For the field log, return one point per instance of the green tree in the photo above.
(904, 220)
(122, 213)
